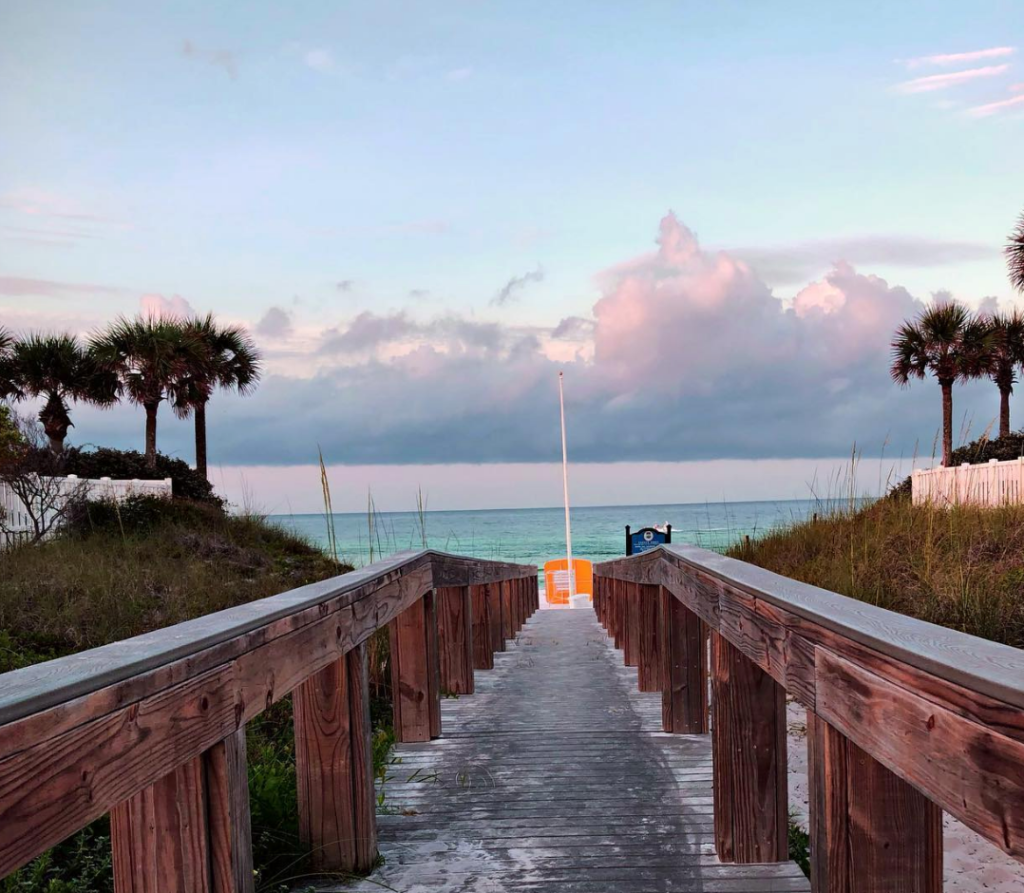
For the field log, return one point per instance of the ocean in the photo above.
(533, 536)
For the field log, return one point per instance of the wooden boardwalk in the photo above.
(555, 775)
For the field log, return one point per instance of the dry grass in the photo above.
(961, 568)
(139, 568)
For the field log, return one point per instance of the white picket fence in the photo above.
(17, 522)
(991, 484)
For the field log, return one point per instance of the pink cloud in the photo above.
(688, 320)
(995, 108)
(159, 306)
(952, 79)
(942, 59)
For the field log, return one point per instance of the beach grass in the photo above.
(960, 567)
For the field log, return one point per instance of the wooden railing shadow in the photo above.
(152, 729)
(905, 719)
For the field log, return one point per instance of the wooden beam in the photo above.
(480, 613)
(227, 787)
(871, 832)
(455, 639)
(684, 696)
(631, 639)
(748, 735)
(649, 647)
(495, 608)
(965, 768)
(508, 624)
(160, 837)
(415, 672)
(334, 766)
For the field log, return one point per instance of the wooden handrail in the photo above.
(904, 717)
(157, 719)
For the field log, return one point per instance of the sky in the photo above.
(710, 215)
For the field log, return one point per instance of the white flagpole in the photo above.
(565, 492)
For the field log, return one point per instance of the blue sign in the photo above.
(646, 538)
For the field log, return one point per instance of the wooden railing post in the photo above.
(631, 639)
(334, 766)
(455, 639)
(649, 647)
(748, 739)
(415, 672)
(227, 796)
(480, 612)
(684, 661)
(495, 609)
(189, 831)
(870, 831)
(508, 623)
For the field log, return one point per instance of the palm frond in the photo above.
(1015, 255)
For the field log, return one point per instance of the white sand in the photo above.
(971, 863)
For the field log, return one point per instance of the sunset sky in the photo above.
(711, 215)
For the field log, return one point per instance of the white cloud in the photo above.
(319, 60)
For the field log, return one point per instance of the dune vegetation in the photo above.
(116, 571)
(959, 567)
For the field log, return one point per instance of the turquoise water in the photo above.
(534, 536)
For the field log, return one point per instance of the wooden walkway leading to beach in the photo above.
(637, 747)
(555, 776)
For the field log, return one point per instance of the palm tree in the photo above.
(1015, 255)
(60, 370)
(951, 344)
(8, 388)
(230, 361)
(1007, 354)
(151, 358)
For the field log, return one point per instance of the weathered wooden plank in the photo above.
(649, 647)
(227, 794)
(413, 652)
(160, 836)
(295, 649)
(323, 768)
(334, 766)
(494, 614)
(749, 744)
(57, 682)
(977, 664)
(483, 656)
(508, 623)
(870, 830)
(965, 768)
(534, 791)
(364, 800)
(455, 639)
(684, 668)
(433, 664)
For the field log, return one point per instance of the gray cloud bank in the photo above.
(691, 356)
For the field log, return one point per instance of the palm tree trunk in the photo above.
(947, 422)
(200, 411)
(1004, 412)
(151, 409)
